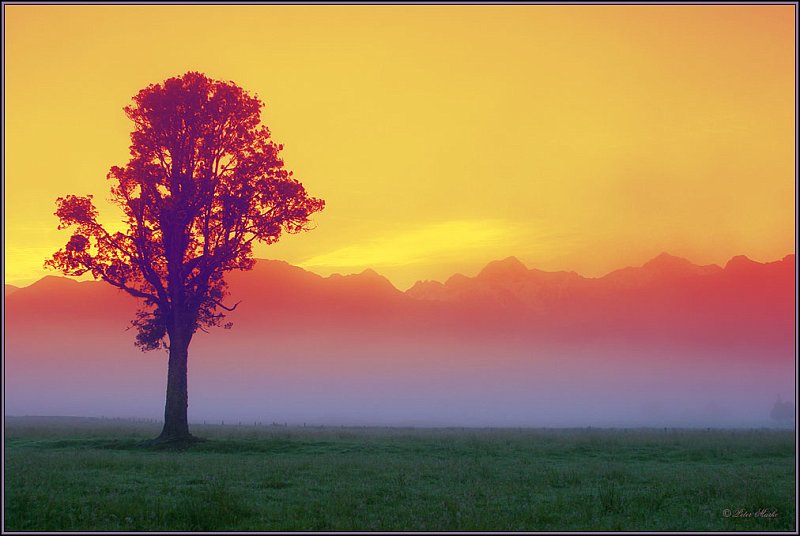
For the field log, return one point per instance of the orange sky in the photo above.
(441, 137)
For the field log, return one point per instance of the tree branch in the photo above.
(130, 290)
(219, 303)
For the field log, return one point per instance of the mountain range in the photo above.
(668, 319)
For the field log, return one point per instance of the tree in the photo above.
(783, 412)
(203, 184)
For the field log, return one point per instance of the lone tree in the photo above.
(204, 182)
(783, 412)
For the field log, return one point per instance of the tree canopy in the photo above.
(204, 183)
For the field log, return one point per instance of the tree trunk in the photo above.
(176, 424)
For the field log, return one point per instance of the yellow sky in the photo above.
(441, 137)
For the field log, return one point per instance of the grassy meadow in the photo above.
(64, 474)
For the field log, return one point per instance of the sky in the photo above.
(575, 137)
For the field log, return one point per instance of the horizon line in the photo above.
(17, 283)
(239, 423)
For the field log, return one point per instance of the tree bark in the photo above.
(176, 424)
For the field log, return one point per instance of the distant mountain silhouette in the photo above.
(666, 298)
(61, 301)
(697, 330)
(511, 273)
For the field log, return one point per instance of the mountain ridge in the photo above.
(666, 297)
(513, 344)
(493, 270)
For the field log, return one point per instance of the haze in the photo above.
(584, 140)
(668, 343)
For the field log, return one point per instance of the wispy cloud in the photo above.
(420, 244)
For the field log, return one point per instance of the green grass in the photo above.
(97, 475)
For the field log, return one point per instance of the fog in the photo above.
(341, 379)
(646, 347)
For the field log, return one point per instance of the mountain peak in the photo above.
(740, 262)
(10, 289)
(426, 290)
(367, 279)
(508, 267)
(668, 262)
(50, 282)
(372, 274)
(377, 279)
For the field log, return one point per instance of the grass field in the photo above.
(84, 474)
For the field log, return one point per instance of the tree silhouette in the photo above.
(783, 412)
(204, 182)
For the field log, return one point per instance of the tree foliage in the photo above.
(783, 412)
(204, 183)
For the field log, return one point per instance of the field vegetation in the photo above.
(65, 474)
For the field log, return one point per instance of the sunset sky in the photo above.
(574, 137)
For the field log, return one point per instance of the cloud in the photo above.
(420, 244)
